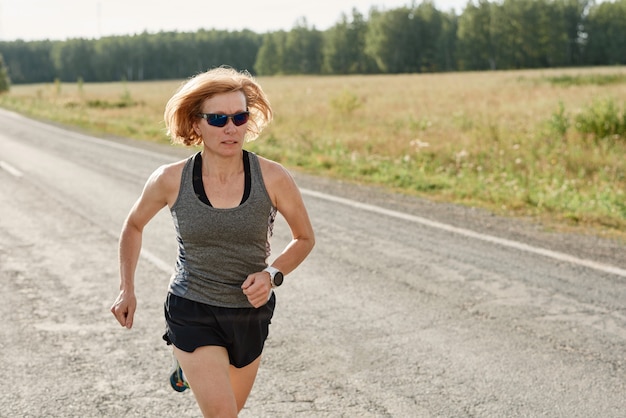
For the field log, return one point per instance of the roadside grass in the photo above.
(546, 144)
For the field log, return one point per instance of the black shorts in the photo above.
(242, 331)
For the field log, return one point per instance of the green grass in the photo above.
(587, 79)
(506, 141)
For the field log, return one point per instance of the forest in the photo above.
(417, 38)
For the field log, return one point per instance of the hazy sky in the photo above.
(62, 19)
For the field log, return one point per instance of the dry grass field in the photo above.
(513, 142)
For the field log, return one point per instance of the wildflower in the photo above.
(419, 144)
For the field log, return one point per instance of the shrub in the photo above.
(346, 102)
(5, 81)
(560, 121)
(602, 119)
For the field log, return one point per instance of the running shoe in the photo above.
(177, 379)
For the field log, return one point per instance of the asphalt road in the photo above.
(405, 308)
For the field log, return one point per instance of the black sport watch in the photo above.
(276, 276)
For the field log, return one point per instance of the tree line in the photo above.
(506, 34)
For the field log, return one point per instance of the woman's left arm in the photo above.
(286, 197)
(288, 201)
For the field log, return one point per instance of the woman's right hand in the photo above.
(124, 308)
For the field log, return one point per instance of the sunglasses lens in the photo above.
(240, 118)
(217, 120)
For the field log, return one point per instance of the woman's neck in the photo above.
(221, 167)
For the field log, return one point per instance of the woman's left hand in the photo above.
(257, 288)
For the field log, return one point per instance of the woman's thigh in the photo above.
(242, 379)
(207, 370)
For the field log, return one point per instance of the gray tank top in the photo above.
(219, 248)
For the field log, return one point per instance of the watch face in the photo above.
(278, 278)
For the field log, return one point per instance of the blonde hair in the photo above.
(183, 107)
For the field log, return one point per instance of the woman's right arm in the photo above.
(159, 191)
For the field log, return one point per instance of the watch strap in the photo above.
(272, 271)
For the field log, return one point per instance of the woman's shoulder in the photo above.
(279, 182)
(168, 175)
(272, 170)
(271, 167)
(170, 170)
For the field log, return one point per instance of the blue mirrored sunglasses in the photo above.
(220, 120)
